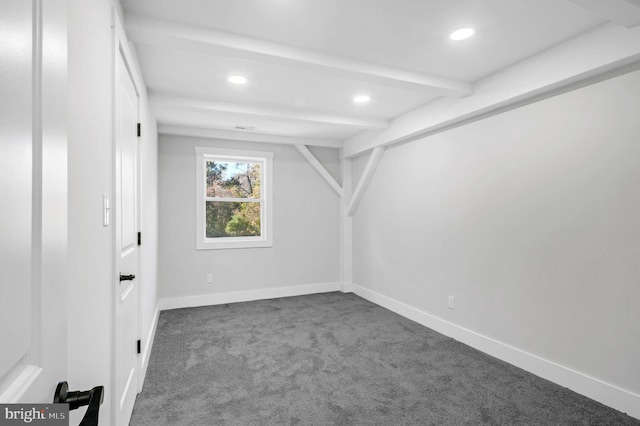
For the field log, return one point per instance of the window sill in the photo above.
(232, 243)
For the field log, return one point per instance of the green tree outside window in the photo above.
(233, 206)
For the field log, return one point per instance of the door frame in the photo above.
(121, 47)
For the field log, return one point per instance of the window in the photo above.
(233, 198)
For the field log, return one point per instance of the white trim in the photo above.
(265, 158)
(234, 154)
(247, 295)
(367, 175)
(171, 109)
(591, 387)
(346, 222)
(206, 40)
(20, 385)
(346, 287)
(308, 155)
(148, 345)
(121, 49)
(586, 59)
(122, 44)
(123, 399)
(622, 12)
(233, 135)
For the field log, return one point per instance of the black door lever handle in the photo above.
(127, 277)
(93, 398)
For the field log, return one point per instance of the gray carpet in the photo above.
(337, 359)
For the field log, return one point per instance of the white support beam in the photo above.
(198, 132)
(308, 155)
(367, 174)
(169, 103)
(170, 34)
(346, 226)
(622, 12)
(602, 53)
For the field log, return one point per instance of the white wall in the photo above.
(90, 68)
(330, 159)
(90, 176)
(530, 220)
(306, 231)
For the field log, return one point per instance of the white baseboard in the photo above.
(247, 296)
(346, 287)
(148, 345)
(605, 393)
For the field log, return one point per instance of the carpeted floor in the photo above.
(337, 359)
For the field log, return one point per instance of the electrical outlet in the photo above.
(451, 303)
(209, 278)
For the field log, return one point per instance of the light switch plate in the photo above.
(106, 210)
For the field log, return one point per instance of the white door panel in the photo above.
(126, 296)
(15, 178)
(33, 199)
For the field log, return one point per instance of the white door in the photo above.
(33, 200)
(126, 295)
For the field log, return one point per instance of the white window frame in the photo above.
(204, 154)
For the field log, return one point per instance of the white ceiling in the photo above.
(306, 59)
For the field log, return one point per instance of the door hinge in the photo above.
(139, 346)
(139, 238)
(139, 130)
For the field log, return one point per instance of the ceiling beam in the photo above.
(190, 104)
(602, 53)
(170, 34)
(209, 133)
(622, 12)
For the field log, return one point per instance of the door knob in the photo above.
(127, 277)
(93, 398)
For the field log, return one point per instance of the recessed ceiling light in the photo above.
(237, 79)
(462, 34)
(361, 99)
